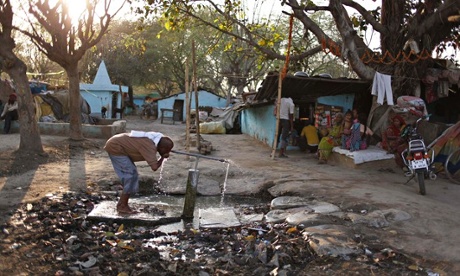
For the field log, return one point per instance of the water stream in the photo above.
(161, 171)
(204, 201)
(224, 187)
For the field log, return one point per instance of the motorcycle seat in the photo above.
(417, 145)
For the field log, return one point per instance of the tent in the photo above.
(447, 143)
(52, 107)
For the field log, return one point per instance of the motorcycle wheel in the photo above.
(421, 182)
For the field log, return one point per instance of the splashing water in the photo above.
(235, 165)
(224, 188)
(161, 171)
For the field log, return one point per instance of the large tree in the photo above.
(30, 140)
(429, 24)
(65, 43)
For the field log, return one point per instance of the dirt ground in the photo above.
(431, 233)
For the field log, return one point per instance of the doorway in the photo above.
(178, 110)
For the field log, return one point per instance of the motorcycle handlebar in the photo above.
(424, 117)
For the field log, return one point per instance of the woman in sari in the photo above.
(359, 134)
(331, 140)
(347, 123)
(391, 137)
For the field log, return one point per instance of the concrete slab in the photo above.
(218, 218)
(371, 158)
(103, 130)
(148, 215)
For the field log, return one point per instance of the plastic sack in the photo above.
(202, 115)
(212, 128)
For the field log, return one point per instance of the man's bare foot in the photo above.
(126, 210)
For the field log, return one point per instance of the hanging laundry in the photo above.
(381, 87)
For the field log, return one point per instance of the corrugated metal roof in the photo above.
(308, 89)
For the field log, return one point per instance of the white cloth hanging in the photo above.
(154, 136)
(381, 87)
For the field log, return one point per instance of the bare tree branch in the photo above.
(367, 16)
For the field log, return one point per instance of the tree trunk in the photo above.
(75, 102)
(30, 140)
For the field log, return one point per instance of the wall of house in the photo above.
(97, 99)
(139, 101)
(204, 99)
(344, 101)
(259, 122)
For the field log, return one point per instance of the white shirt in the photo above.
(9, 107)
(286, 108)
(154, 136)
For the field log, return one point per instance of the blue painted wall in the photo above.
(260, 123)
(345, 101)
(205, 98)
(97, 99)
(139, 101)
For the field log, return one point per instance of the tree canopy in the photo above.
(428, 26)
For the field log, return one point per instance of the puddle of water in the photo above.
(175, 205)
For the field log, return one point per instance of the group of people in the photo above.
(348, 131)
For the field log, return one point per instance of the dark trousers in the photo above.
(285, 128)
(9, 116)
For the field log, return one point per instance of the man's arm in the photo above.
(291, 114)
(156, 165)
(13, 107)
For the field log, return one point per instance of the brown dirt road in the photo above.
(431, 233)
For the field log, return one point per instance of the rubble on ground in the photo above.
(53, 235)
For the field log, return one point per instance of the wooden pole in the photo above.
(277, 108)
(187, 108)
(280, 86)
(195, 86)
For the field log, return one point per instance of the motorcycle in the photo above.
(416, 158)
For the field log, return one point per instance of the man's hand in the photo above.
(158, 164)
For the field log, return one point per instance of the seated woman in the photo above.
(309, 136)
(391, 137)
(347, 123)
(10, 113)
(332, 139)
(359, 133)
